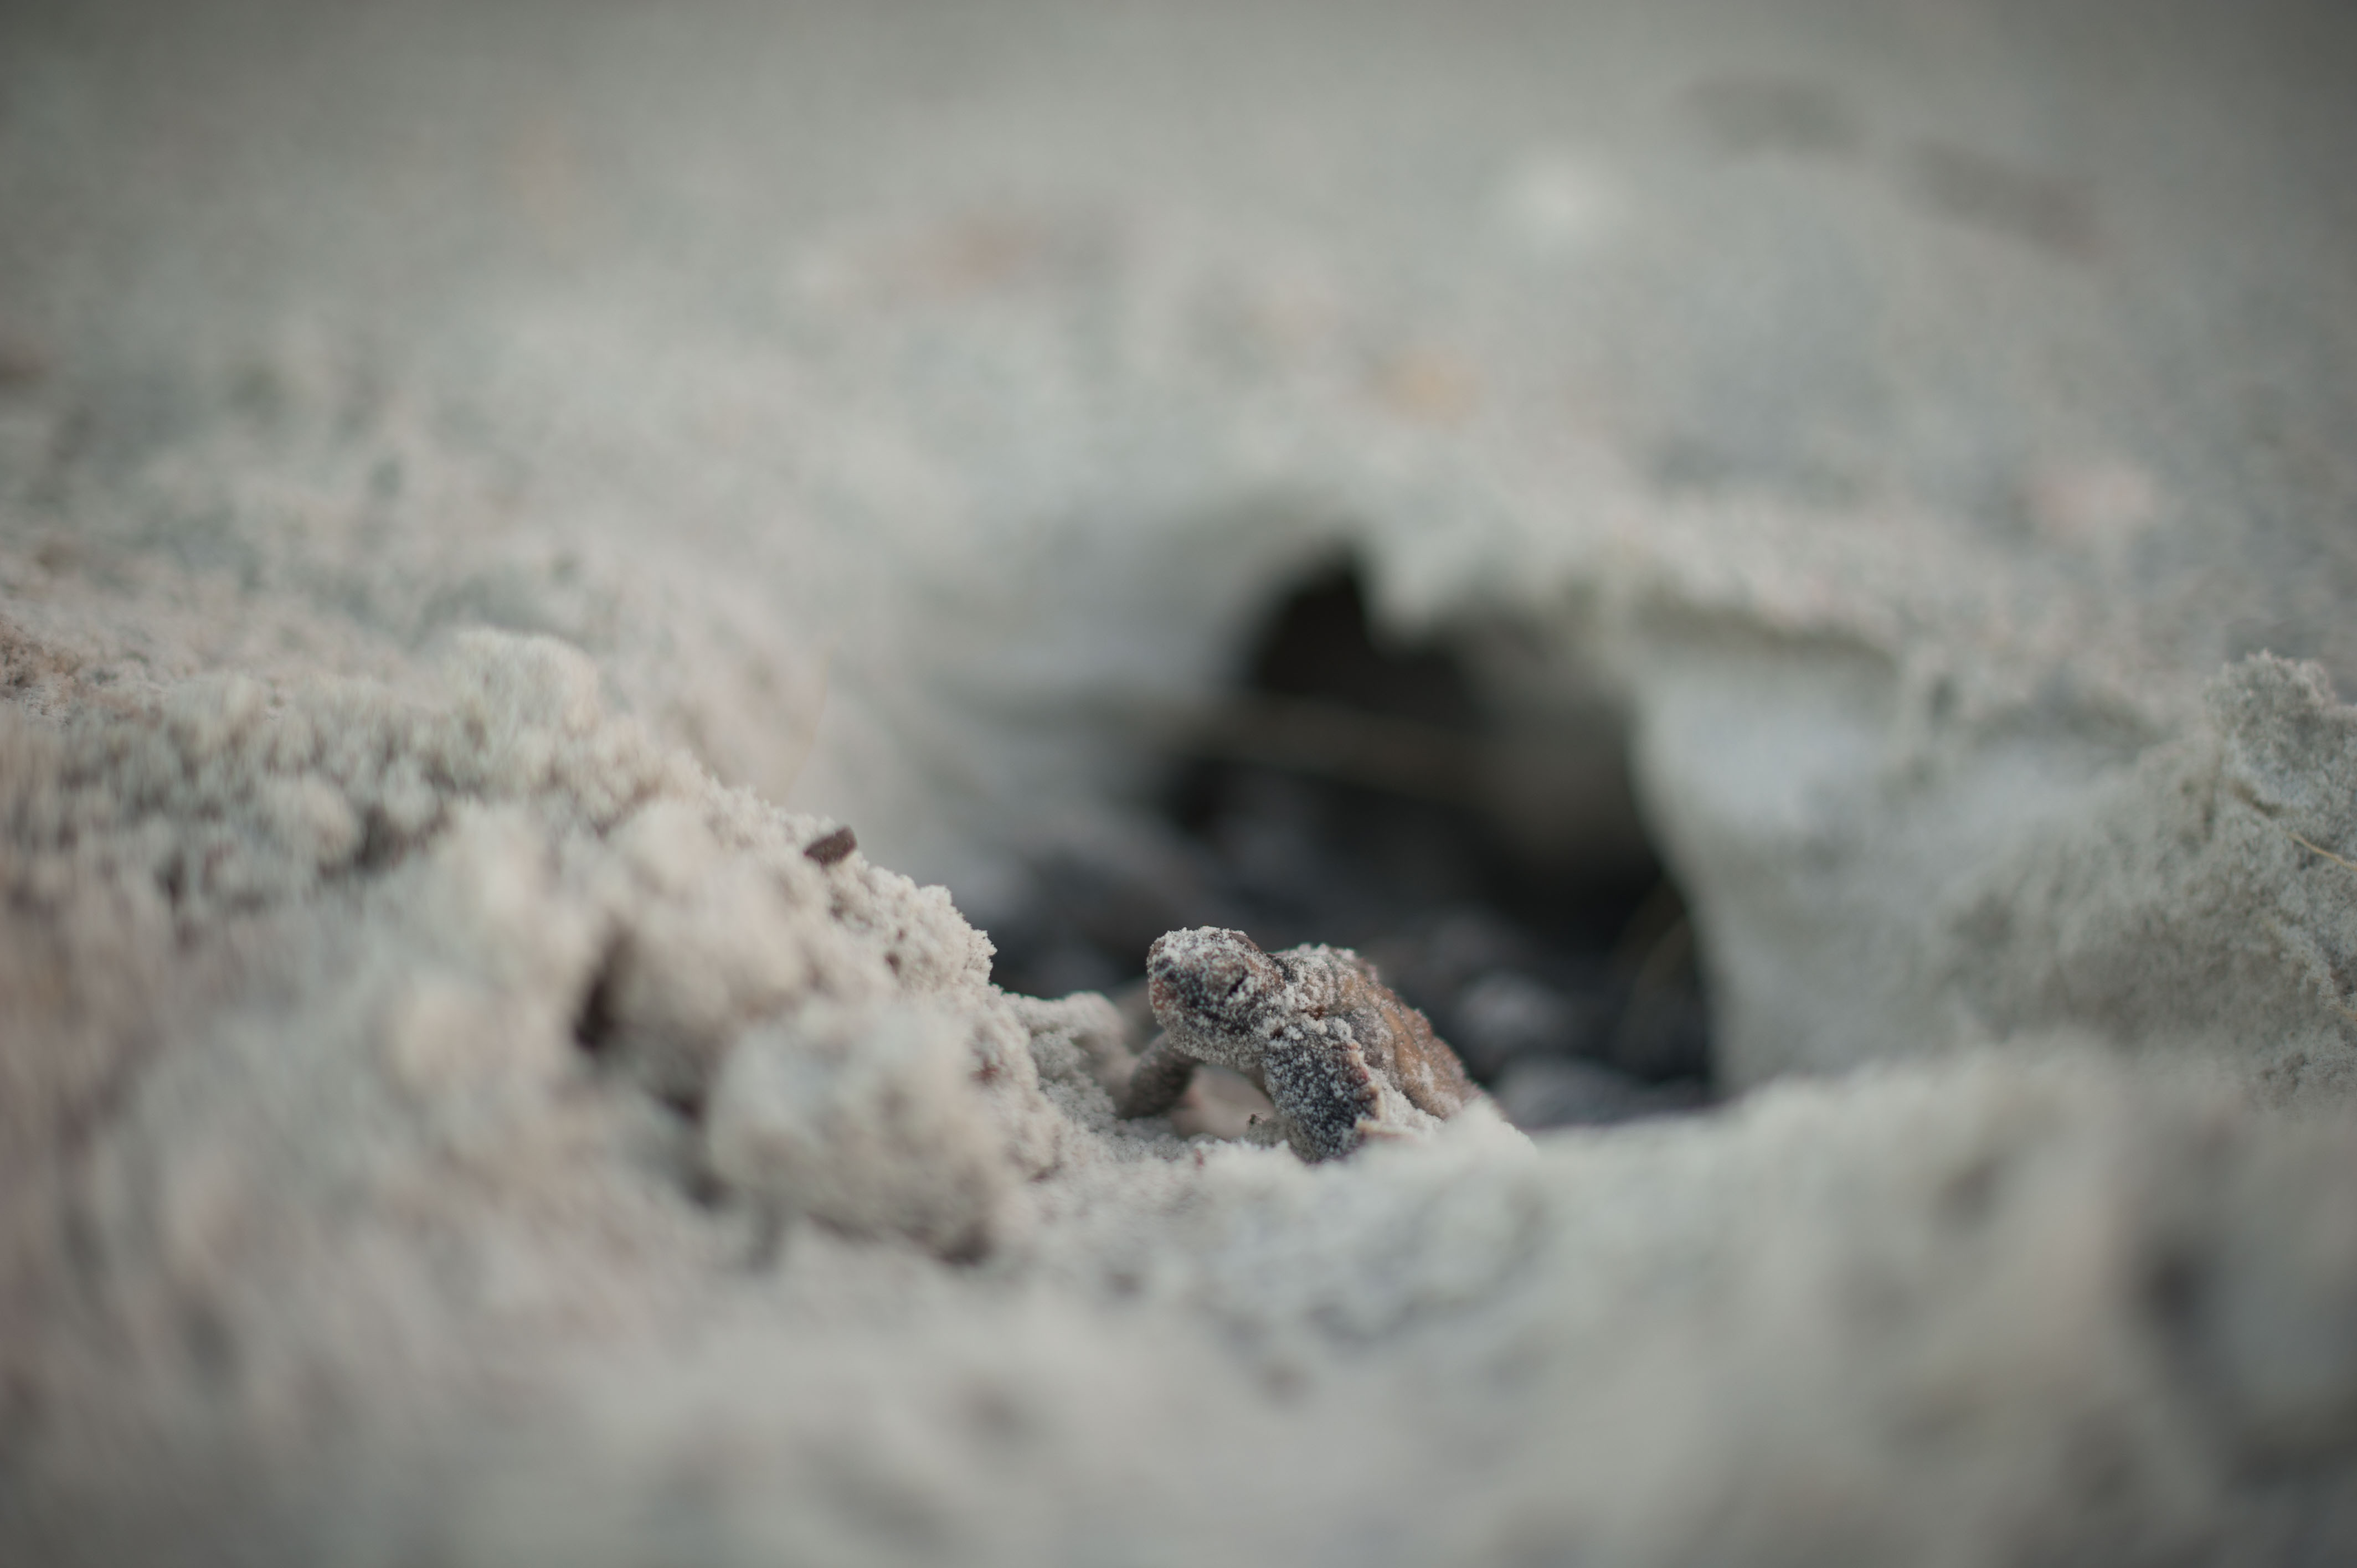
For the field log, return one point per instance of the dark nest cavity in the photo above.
(1366, 795)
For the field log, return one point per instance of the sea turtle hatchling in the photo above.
(1340, 1056)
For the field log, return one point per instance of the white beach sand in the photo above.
(482, 489)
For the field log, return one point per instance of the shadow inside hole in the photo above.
(1366, 796)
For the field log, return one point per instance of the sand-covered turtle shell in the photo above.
(1340, 1056)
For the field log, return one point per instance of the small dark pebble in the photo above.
(832, 847)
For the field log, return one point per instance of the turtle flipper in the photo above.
(1322, 1088)
(1157, 1082)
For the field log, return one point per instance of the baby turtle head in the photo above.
(1209, 980)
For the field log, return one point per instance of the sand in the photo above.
(486, 491)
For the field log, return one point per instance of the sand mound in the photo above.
(460, 1128)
